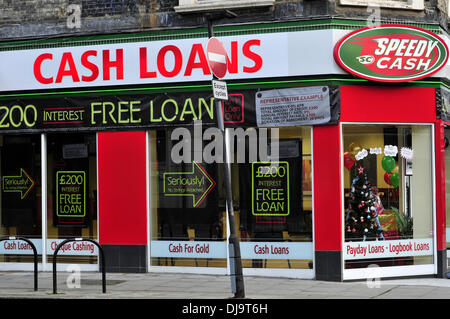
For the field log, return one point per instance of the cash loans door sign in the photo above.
(270, 189)
(70, 193)
(391, 53)
(21, 184)
(196, 184)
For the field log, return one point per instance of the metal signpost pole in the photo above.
(235, 250)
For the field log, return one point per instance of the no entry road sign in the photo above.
(217, 57)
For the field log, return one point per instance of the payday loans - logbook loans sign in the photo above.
(391, 53)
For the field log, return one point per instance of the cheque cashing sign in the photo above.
(391, 53)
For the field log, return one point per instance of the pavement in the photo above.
(160, 286)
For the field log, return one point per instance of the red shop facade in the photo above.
(101, 142)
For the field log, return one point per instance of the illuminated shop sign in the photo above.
(20, 184)
(113, 112)
(391, 53)
(196, 184)
(270, 188)
(247, 108)
(70, 193)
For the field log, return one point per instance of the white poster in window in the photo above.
(293, 106)
(72, 248)
(276, 250)
(188, 249)
(20, 247)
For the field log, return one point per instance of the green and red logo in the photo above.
(391, 53)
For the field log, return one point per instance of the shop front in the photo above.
(389, 193)
(162, 183)
(391, 154)
(333, 177)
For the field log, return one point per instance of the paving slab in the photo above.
(193, 286)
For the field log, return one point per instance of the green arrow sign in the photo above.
(18, 184)
(196, 183)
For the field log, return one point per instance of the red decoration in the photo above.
(348, 160)
(387, 178)
(360, 170)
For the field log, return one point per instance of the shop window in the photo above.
(271, 199)
(397, 4)
(20, 196)
(188, 226)
(274, 216)
(208, 5)
(388, 188)
(72, 196)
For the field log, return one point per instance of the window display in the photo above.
(20, 196)
(388, 195)
(72, 196)
(271, 198)
(71, 190)
(275, 211)
(188, 225)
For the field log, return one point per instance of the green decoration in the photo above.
(394, 180)
(388, 163)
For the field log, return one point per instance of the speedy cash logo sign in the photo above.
(391, 53)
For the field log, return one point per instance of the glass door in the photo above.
(20, 199)
(72, 197)
(274, 215)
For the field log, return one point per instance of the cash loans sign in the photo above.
(391, 53)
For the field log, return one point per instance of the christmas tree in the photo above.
(361, 222)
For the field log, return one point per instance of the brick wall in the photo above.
(22, 19)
